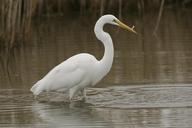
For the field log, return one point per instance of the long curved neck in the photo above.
(107, 60)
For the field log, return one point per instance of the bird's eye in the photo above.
(114, 20)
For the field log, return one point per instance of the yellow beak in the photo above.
(124, 26)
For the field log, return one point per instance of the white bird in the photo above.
(82, 70)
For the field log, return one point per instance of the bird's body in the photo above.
(77, 72)
(81, 70)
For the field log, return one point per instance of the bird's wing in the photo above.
(63, 76)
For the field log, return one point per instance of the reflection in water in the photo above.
(138, 59)
(166, 58)
(74, 115)
(83, 116)
(17, 110)
(148, 96)
(147, 118)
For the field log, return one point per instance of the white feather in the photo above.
(82, 70)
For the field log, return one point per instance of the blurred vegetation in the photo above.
(17, 15)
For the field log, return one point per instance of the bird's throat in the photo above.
(105, 63)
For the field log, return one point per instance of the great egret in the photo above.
(82, 70)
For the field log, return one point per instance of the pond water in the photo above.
(149, 106)
(148, 86)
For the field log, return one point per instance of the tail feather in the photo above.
(36, 89)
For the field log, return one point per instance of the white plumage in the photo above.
(81, 70)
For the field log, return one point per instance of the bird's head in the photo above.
(114, 21)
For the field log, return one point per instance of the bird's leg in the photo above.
(47, 96)
(83, 94)
(72, 93)
(35, 97)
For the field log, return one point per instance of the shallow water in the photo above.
(146, 60)
(139, 59)
(152, 106)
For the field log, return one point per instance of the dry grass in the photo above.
(16, 15)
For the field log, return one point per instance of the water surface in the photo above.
(153, 106)
(139, 59)
(159, 64)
